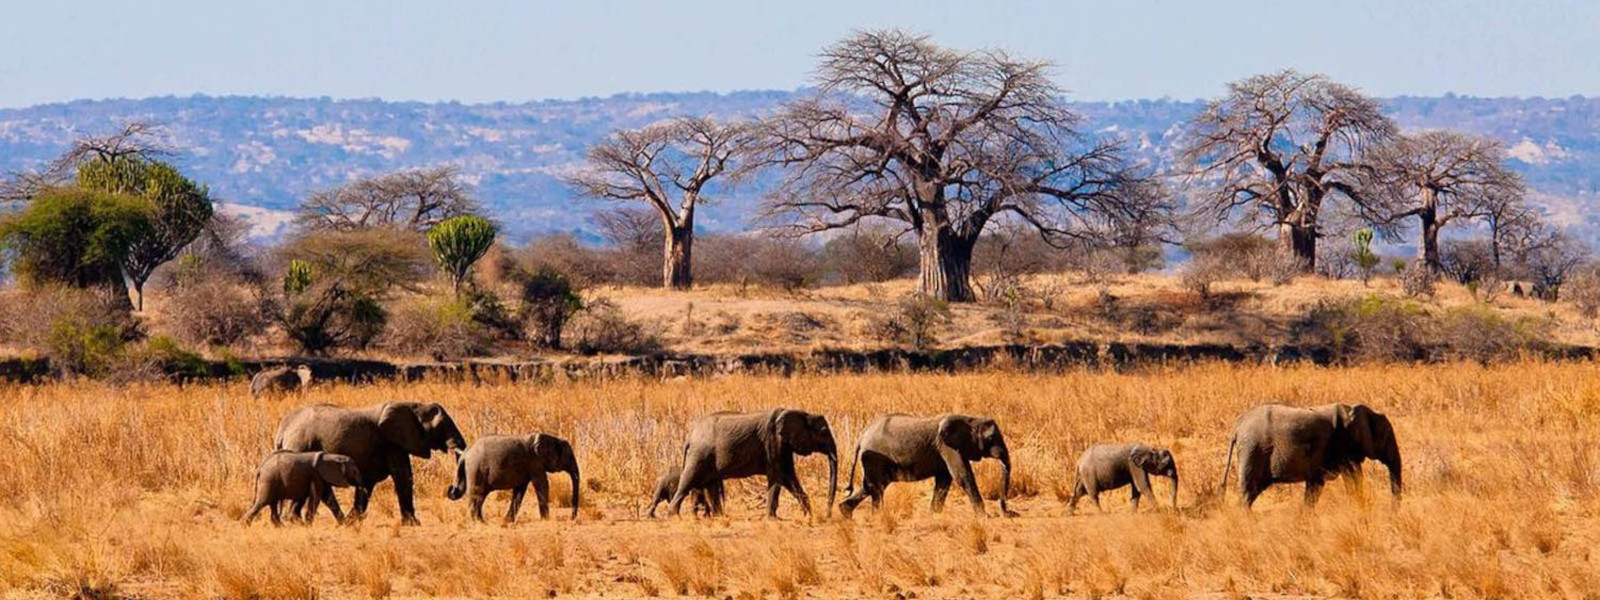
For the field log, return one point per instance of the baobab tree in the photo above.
(1439, 177)
(671, 166)
(1282, 144)
(943, 142)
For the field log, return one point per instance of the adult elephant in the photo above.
(380, 439)
(1285, 444)
(728, 445)
(901, 447)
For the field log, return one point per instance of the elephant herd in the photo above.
(320, 447)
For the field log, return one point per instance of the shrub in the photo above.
(867, 256)
(600, 327)
(1200, 274)
(589, 267)
(1482, 334)
(748, 260)
(548, 300)
(216, 312)
(1362, 255)
(1243, 255)
(437, 327)
(1466, 261)
(1418, 282)
(335, 281)
(82, 332)
(1371, 328)
(915, 321)
(1583, 289)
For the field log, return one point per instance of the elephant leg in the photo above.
(475, 501)
(714, 493)
(696, 469)
(311, 503)
(791, 482)
(961, 471)
(331, 499)
(1135, 498)
(400, 469)
(516, 502)
(1313, 491)
(254, 511)
(277, 519)
(358, 504)
(941, 488)
(1077, 493)
(773, 486)
(541, 492)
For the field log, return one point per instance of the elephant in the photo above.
(301, 476)
(1107, 467)
(667, 485)
(1285, 444)
(380, 439)
(499, 462)
(728, 445)
(281, 380)
(899, 447)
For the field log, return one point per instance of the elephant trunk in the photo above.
(833, 480)
(573, 472)
(1005, 483)
(1392, 461)
(459, 488)
(1174, 491)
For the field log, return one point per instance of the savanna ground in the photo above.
(111, 491)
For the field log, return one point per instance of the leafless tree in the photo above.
(415, 199)
(671, 166)
(1514, 227)
(631, 230)
(1282, 144)
(136, 139)
(942, 141)
(1438, 177)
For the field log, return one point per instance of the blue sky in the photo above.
(514, 51)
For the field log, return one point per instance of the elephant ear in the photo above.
(400, 425)
(956, 432)
(788, 426)
(1357, 422)
(335, 471)
(1146, 459)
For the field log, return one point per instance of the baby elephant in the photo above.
(296, 477)
(667, 485)
(1110, 466)
(499, 462)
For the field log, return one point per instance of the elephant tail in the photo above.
(1227, 465)
(459, 488)
(850, 480)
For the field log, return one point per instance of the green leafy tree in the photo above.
(459, 242)
(178, 210)
(74, 237)
(336, 282)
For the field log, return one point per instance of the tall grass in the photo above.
(137, 490)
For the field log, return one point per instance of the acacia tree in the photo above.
(1439, 177)
(137, 140)
(671, 166)
(943, 142)
(416, 199)
(1282, 144)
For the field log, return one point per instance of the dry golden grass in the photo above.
(109, 491)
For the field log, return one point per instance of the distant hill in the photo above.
(262, 154)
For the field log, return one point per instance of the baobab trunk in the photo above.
(1299, 241)
(676, 272)
(1428, 246)
(944, 265)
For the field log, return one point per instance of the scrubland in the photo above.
(114, 491)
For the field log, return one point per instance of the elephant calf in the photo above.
(281, 380)
(1107, 467)
(297, 477)
(667, 485)
(500, 462)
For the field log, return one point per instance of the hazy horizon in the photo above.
(495, 51)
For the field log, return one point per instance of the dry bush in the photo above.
(585, 265)
(439, 327)
(867, 256)
(756, 260)
(82, 332)
(600, 327)
(216, 312)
